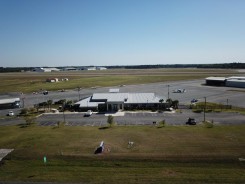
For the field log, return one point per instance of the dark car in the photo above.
(191, 121)
(194, 100)
(45, 92)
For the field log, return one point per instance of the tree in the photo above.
(37, 107)
(110, 120)
(30, 120)
(161, 101)
(24, 111)
(175, 104)
(169, 102)
(49, 102)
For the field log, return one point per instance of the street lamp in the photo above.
(204, 111)
(168, 91)
(78, 90)
(22, 97)
(64, 112)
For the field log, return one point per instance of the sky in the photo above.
(52, 33)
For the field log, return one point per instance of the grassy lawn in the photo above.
(29, 82)
(172, 154)
(214, 107)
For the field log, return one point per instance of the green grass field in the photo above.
(172, 154)
(31, 81)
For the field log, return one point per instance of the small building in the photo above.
(65, 79)
(122, 101)
(89, 68)
(52, 80)
(101, 68)
(40, 69)
(70, 69)
(10, 103)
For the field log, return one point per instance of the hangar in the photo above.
(122, 101)
(216, 81)
(234, 81)
(46, 69)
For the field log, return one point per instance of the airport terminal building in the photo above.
(121, 101)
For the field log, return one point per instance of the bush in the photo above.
(197, 110)
(24, 111)
(208, 124)
(162, 124)
(110, 120)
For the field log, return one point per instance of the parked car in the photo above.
(10, 113)
(45, 92)
(191, 121)
(194, 100)
(88, 113)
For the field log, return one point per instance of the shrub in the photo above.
(24, 111)
(162, 124)
(197, 110)
(110, 120)
(208, 124)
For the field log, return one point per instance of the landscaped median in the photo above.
(171, 154)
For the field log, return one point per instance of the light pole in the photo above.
(23, 102)
(22, 97)
(64, 112)
(204, 111)
(78, 90)
(168, 91)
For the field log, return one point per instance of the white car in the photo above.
(10, 113)
(88, 113)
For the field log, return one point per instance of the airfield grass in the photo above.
(32, 81)
(171, 154)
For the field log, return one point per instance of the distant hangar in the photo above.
(234, 81)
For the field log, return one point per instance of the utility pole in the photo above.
(204, 111)
(64, 112)
(78, 90)
(23, 102)
(168, 91)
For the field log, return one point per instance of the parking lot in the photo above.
(139, 118)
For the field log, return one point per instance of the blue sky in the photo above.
(121, 32)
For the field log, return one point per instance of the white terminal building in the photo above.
(115, 101)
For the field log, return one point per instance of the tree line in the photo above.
(235, 65)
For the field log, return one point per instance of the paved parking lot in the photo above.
(140, 118)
